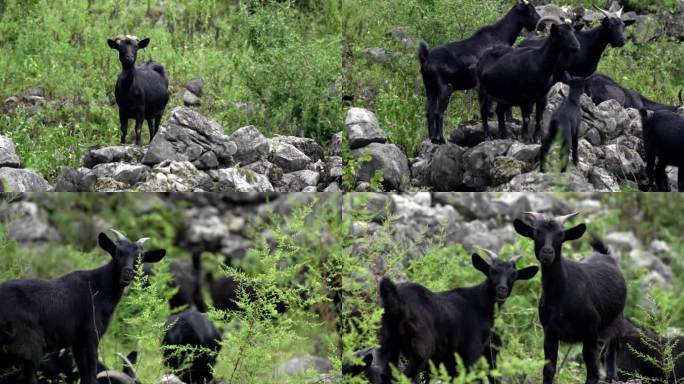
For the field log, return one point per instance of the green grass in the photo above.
(281, 56)
(653, 68)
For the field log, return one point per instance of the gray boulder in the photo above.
(175, 176)
(8, 153)
(546, 182)
(624, 162)
(240, 180)
(26, 225)
(251, 145)
(297, 181)
(189, 136)
(362, 128)
(190, 99)
(299, 365)
(335, 148)
(195, 86)
(22, 180)
(308, 146)
(265, 167)
(478, 162)
(386, 158)
(116, 153)
(288, 157)
(446, 168)
(123, 172)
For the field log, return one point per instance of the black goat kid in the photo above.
(72, 311)
(567, 118)
(664, 141)
(449, 67)
(141, 91)
(601, 88)
(522, 76)
(423, 325)
(581, 302)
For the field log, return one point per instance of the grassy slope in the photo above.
(654, 69)
(282, 56)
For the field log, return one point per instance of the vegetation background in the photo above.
(380, 253)
(393, 87)
(294, 266)
(274, 64)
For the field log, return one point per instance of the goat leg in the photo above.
(526, 111)
(491, 352)
(157, 123)
(661, 182)
(538, 115)
(546, 144)
(591, 360)
(501, 116)
(138, 131)
(86, 361)
(611, 360)
(124, 127)
(484, 112)
(150, 125)
(550, 355)
(575, 146)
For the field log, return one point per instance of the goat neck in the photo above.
(550, 53)
(593, 42)
(106, 292)
(127, 75)
(553, 276)
(508, 28)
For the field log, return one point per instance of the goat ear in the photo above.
(480, 264)
(629, 22)
(523, 228)
(575, 233)
(143, 43)
(112, 44)
(389, 296)
(106, 243)
(527, 273)
(154, 256)
(133, 357)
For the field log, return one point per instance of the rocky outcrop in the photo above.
(191, 153)
(13, 178)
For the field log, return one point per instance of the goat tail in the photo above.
(599, 246)
(423, 51)
(389, 296)
(156, 67)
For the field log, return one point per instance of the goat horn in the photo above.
(128, 364)
(618, 14)
(119, 236)
(116, 375)
(554, 19)
(515, 259)
(491, 254)
(563, 219)
(526, 2)
(142, 241)
(605, 13)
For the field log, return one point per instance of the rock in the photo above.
(299, 365)
(108, 184)
(446, 168)
(240, 180)
(623, 242)
(546, 182)
(420, 172)
(189, 136)
(73, 180)
(333, 187)
(126, 173)
(116, 153)
(333, 168)
(195, 86)
(175, 176)
(593, 136)
(478, 163)
(426, 149)
(22, 180)
(234, 247)
(335, 148)
(401, 35)
(298, 180)
(34, 92)
(375, 55)
(472, 205)
(644, 259)
(205, 228)
(8, 153)
(362, 128)
(386, 158)
(602, 180)
(527, 153)
(288, 157)
(273, 172)
(190, 99)
(467, 135)
(624, 163)
(504, 168)
(26, 225)
(308, 146)
(251, 145)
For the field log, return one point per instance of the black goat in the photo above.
(522, 76)
(424, 325)
(370, 369)
(581, 301)
(141, 91)
(663, 139)
(191, 328)
(72, 311)
(601, 88)
(187, 281)
(449, 67)
(639, 343)
(567, 118)
(593, 42)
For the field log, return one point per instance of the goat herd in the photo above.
(522, 76)
(581, 302)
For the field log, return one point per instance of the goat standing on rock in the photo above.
(449, 67)
(72, 311)
(522, 76)
(141, 91)
(581, 301)
(424, 325)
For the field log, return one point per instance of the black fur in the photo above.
(663, 140)
(449, 67)
(601, 88)
(581, 301)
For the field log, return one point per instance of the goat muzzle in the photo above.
(127, 275)
(546, 255)
(501, 294)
